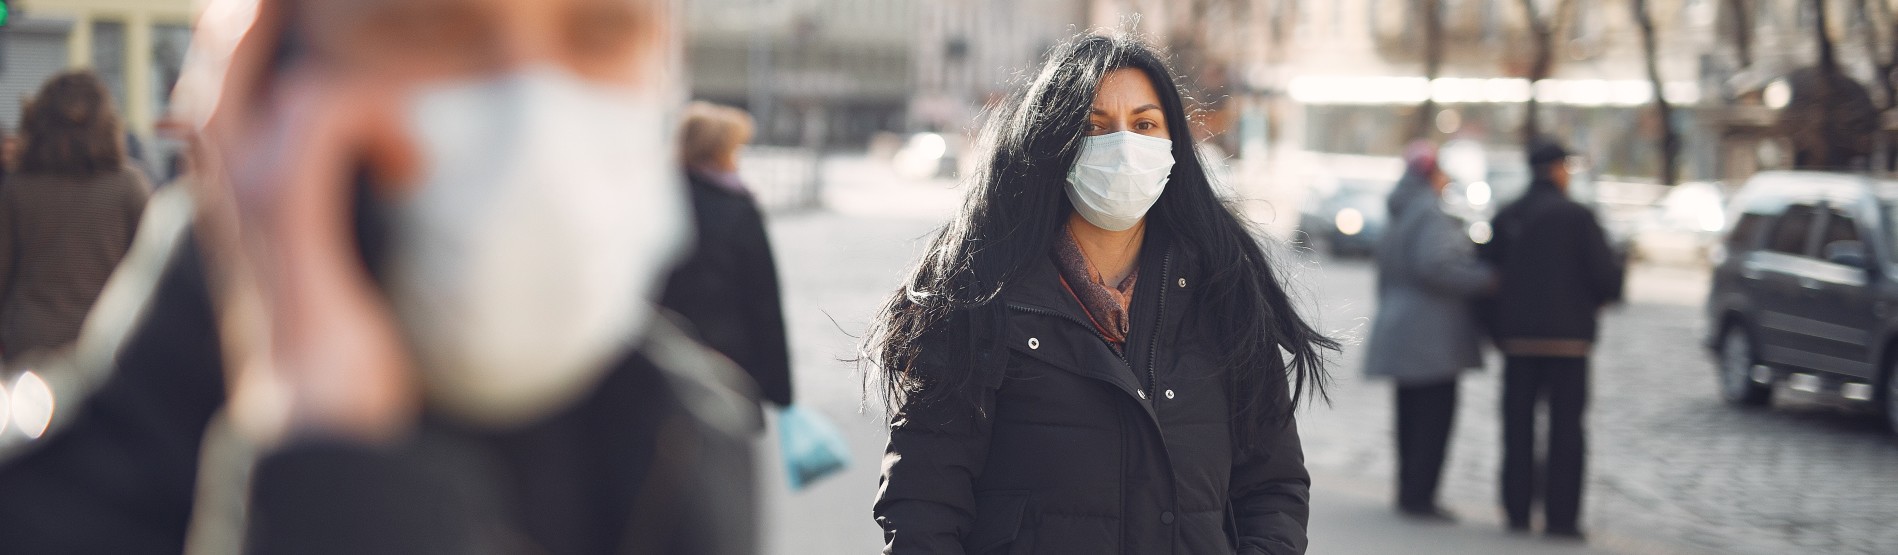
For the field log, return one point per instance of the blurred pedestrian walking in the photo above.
(1425, 334)
(1087, 359)
(727, 290)
(67, 214)
(728, 287)
(406, 304)
(1557, 272)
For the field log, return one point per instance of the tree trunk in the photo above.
(1881, 73)
(1828, 70)
(1542, 31)
(1742, 11)
(1432, 12)
(1669, 172)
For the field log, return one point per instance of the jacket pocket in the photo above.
(1001, 524)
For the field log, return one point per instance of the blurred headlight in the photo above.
(1478, 193)
(1713, 219)
(1349, 221)
(1481, 233)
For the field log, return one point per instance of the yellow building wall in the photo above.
(139, 16)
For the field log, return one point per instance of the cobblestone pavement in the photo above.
(1672, 469)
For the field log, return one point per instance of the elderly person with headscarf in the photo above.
(1425, 333)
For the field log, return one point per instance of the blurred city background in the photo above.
(866, 110)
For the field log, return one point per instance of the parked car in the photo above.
(1347, 217)
(1807, 292)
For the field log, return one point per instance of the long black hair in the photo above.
(935, 338)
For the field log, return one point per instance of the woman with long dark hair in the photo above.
(1095, 355)
(67, 214)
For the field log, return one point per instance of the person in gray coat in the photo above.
(1425, 333)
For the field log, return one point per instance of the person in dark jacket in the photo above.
(728, 288)
(1425, 334)
(66, 217)
(1557, 273)
(404, 306)
(1087, 359)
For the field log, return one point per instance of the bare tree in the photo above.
(1670, 146)
(1431, 12)
(1742, 11)
(1877, 15)
(1542, 31)
(1831, 118)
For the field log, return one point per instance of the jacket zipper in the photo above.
(1153, 345)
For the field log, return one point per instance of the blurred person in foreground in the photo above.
(416, 259)
(67, 214)
(1088, 358)
(1425, 334)
(1556, 273)
(728, 288)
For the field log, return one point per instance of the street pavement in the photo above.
(1672, 470)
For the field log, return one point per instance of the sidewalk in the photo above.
(1350, 520)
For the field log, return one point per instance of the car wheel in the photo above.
(1736, 370)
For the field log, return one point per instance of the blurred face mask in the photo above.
(1118, 177)
(524, 264)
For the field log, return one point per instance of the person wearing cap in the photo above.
(1556, 273)
(1425, 333)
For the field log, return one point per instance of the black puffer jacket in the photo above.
(1069, 450)
(1555, 267)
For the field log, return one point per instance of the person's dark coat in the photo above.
(632, 468)
(1427, 273)
(728, 288)
(1065, 450)
(60, 238)
(1555, 268)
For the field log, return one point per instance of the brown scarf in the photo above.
(1107, 306)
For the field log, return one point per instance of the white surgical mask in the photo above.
(1117, 178)
(524, 264)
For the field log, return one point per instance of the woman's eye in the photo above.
(1145, 125)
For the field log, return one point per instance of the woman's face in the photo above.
(1127, 102)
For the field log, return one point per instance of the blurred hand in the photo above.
(311, 345)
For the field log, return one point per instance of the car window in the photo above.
(1746, 232)
(1839, 227)
(1791, 231)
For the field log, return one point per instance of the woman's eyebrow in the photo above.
(1146, 108)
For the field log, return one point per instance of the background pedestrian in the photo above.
(1556, 272)
(1425, 334)
(67, 214)
(728, 287)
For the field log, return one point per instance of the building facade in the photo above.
(970, 54)
(136, 46)
(814, 72)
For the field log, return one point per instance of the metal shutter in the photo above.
(31, 51)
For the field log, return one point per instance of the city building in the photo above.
(970, 54)
(136, 46)
(814, 72)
